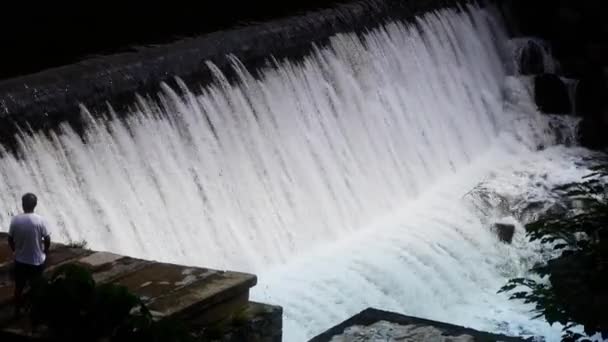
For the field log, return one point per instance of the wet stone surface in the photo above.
(168, 289)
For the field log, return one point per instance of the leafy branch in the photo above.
(573, 285)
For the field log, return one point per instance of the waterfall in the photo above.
(339, 179)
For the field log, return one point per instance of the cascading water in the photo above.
(339, 180)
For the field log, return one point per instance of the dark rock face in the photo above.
(591, 102)
(551, 94)
(591, 95)
(531, 60)
(577, 31)
(504, 231)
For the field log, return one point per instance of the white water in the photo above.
(341, 181)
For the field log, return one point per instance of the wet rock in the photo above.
(576, 30)
(557, 209)
(531, 59)
(377, 325)
(551, 94)
(504, 231)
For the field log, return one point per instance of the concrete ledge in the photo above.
(372, 324)
(196, 295)
(256, 322)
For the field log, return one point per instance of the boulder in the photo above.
(531, 59)
(551, 94)
(504, 231)
(557, 209)
(377, 325)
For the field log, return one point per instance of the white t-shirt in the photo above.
(28, 231)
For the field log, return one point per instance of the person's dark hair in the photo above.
(29, 201)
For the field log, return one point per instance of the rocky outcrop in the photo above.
(591, 100)
(577, 31)
(377, 325)
(532, 59)
(551, 94)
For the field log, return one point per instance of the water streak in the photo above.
(246, 175)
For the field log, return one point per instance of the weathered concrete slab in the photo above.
(170, 290)
(216, 289)
(255, 322)
(156, 280)
(60, 255)
(195, 294)
(377, 325)
(111, 271)
(100, 259)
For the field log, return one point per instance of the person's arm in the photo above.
(47, 243)
(11, 243)
(46, 237)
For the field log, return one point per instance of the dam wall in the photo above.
(43, 100)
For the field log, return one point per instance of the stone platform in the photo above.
(198, 296)
(377, 325)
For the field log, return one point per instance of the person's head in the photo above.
(28, 202)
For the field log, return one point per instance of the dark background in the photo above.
(36, 38)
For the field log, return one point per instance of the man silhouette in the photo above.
(30, 241)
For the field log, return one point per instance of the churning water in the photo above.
(344, 181)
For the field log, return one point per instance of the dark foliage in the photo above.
(576, 292)
(73, 308)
